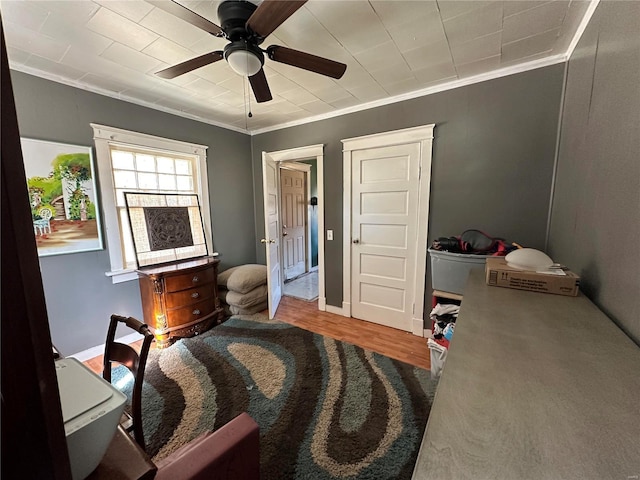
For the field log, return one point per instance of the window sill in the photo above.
(122, 276)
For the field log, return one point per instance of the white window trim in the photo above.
(103, 137)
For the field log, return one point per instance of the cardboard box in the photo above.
(500, 274)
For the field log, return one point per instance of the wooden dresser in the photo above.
(180, 299)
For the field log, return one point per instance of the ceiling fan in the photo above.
(246, 26)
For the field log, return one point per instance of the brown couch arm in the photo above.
(230, 453)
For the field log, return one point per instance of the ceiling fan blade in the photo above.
(270, 14)
(260, 87)
(306, 61)
(175, 9)
(184, 67)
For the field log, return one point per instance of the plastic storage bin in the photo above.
(449, 271)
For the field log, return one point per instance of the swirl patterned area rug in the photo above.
(326, 409)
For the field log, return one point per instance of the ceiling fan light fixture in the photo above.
(244, 59)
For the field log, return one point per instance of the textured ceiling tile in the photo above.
(130, 58)
(513, 7)
(233, 99)
(77, 58)
(298, 96)
(216, 72)
(317, 107)
(368, 93)
(453, 8)
(529, 46)
(332, 94)
(134, 11)
(474, 24)
(405, 13)
(78, 12)
(281, 83)
(575, 14)
(173, 28)
(102, 82)
(236, 85)
(34, 42)
(430, 33)
(59, 28)
(435, 72)
(477, 49)
(168, 51)
(478, 67)
(114, 26)
(147, 95)
(204, 87)
(404, 86)
(29, 15)
(393, 75)
(16, 56)
(345, 102)
(380, 57)
(426, 56)
(531, 22)
(353, 23)
(54, 68)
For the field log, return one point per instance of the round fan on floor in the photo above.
(246, 26)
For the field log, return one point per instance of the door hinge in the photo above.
(419, 172)
(413, 308)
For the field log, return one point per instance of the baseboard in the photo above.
(346, 309)
(417, 327)
(322, 304)
(98, 350)
(428, 333)
(313, 269)
(335, 310)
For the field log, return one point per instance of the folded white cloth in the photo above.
(445, 308)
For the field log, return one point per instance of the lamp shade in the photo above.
(244, 62)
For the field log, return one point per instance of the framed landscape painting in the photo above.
(62, 195)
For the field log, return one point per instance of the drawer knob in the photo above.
(195, 295)
(196, 312)
(195, 279)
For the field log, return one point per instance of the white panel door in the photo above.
(384, 218)
(271, 230)
(294, 219)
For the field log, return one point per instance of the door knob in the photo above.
(284, 234)
(355, 240)
(264, 240)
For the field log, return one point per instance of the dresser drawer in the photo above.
(195, 278)
(192, 313)
(187, 297)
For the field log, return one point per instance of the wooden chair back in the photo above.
(134, 361)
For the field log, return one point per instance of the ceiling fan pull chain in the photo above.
(247, 58)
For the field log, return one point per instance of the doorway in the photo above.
(295, 262)
(386, 208)
(299, 234)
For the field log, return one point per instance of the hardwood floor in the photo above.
(387, 341)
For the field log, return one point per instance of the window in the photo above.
(135, 162)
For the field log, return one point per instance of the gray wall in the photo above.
(595, 220)
(493, 157)
(80, 298)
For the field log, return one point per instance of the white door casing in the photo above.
(383, 282)
(271, 230)
(297, 154)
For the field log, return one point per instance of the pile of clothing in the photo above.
(474, 242)
(443, 321)
(243, 289)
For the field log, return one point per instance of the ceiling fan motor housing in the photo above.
(233, 16)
